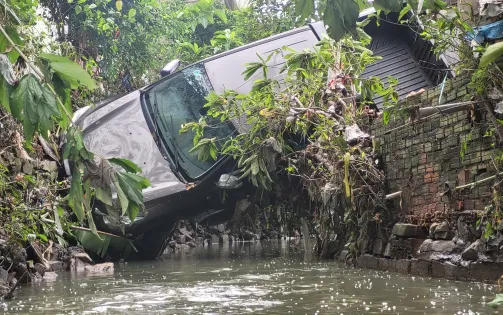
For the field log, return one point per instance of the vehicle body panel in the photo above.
(119, 129)
(226, 73)
(125, 127)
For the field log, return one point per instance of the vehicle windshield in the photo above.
(178, 100)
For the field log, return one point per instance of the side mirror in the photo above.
(229, 181)
(170, 67)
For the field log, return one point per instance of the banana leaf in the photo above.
(103, 243)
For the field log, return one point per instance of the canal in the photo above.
(249, 278)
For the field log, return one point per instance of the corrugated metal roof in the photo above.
(397, 61)
(405, 56)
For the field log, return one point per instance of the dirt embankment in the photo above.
(34, 218)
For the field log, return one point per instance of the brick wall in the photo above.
(422, 158)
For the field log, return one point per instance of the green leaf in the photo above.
(92, 6)
(5, 92)
(142, 181)
(221, 15)
(255, 168)
(131, 188)
(75, 200)
(213, 153)
(123, 200)
(126, 164)
(78, 9)
(340, 17)
(388, 5)
(404, 11)
(104, 194)
(118, 5)
(304, 8)
(35, 105)
(260, 84)
(11, 14)
(133, 211)
(251, 68)
(69, 71)
(492, 53)
(62, 88)
(43, 237)
(92, 225)
(497, 301)
(131, 14)
(5, 45)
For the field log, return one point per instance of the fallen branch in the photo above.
(21, 152)
(494, 121)
(10, 294)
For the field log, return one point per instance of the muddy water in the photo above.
(249, 279)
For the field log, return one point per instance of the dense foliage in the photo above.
(59, 55)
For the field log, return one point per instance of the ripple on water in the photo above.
(274, 282)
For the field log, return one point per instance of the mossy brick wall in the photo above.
(421, 157)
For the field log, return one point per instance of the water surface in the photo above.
(249, 278)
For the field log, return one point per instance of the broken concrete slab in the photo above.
(420, 267)
(368, 261)
(50, 276)
(48, 166)
(403, 266)
(56, 265)
(485, 271)
(408, 230)
(77, 265)
(443, 232)
(100, 268)
(224, 239)
(84, 257)
(379, 247)
(343, 255)
(455, 272)
(467, 232)
(41, 269)
(439, 246)
(186, 234)
(432, 229)
(404, 248)
(472, 252)
(248, 236)
(437, 269)
(383, 264)
(387, 251)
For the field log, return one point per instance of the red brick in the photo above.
(469, 204)
(480, 205)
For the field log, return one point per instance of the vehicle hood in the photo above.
(119, 129)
